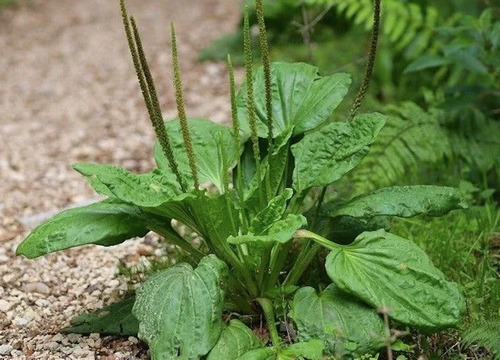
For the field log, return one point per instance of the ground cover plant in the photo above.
(254, 193)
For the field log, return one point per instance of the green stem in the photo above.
(278, 259)
(268, 309)
(318, 207)
(302, 263)
(263, 270)
(296, 202)
(168, 232)
(240, 267)
(306, 234)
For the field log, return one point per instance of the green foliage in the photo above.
(6, 3)
(472, 263)
(209, 141)
(344, 324)
(406, 25)
(105, 223)
(324, 156)
(463, 69)
(248, 261)
(235, 341)
(403, 201)
(304, 100)
(180, 309)
(364, 268)
(410, 138)
(114, 319)
(485, 334)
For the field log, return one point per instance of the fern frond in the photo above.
(408, 27)
(486, 335)
(410, 137)
(475, 138)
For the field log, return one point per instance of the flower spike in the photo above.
(250, 97)
(179, 99)
(148, 90)
(264, 50)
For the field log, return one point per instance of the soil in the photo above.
(68, 94)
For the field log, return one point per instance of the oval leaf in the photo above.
(114, 319)
(271, 213)
(302, 100)
(325, 155)
(393, 274)
(344, 324)
(144, 190)
(180, 309)
(104, 223)
(235, 341)
(210, 140)
(281, 231)
(404, 201)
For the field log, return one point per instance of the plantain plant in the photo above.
(255, 195)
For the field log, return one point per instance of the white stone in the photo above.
(5, 349)
(21, 321)
(5, 305)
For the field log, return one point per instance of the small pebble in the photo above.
(21, 321)
(38, 287)
(5, 349)
(5, 305)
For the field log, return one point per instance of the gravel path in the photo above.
(68, 94)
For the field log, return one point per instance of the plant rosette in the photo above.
(259, 236)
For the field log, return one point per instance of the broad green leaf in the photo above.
(302, 100)
(235, 341)
(347, 326)
(114, 319)
(267, 353)
(155, 192)
(394, 274)
(404, 201)
(180, 309)
(104, 223)
(208, 215)
(326, 154)
(271, 213)
(344, 229)
(144, 190)
(210, 140)
(272, 166)
(427, 62)
(281, 231)
(312, 350)
(321, 100)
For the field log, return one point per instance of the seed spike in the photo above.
(179, 99)
(134, 44)
(250, 98)
(135, 59)
(264, 50)
(155, 115)
(225, 163)
(371, 60)
(234, 109)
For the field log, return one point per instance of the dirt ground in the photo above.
(68, 94)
